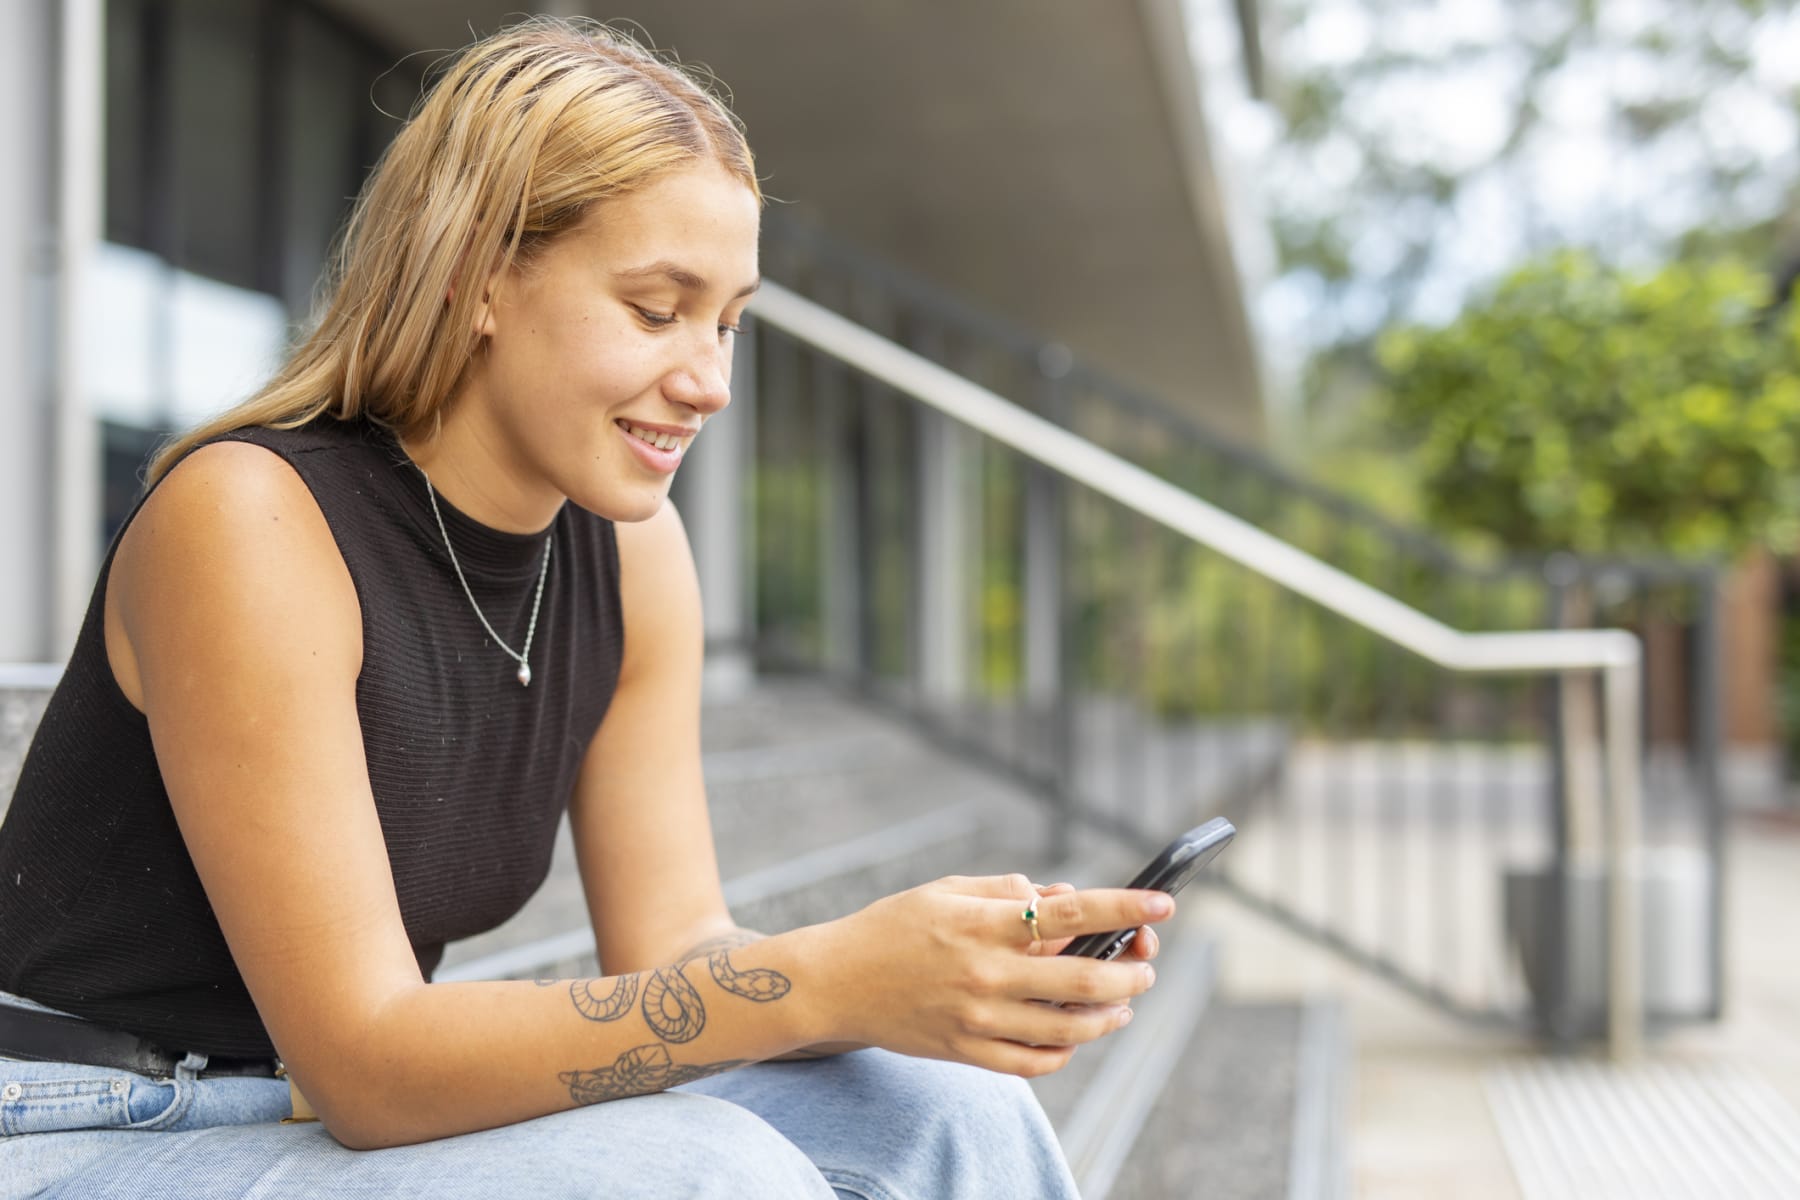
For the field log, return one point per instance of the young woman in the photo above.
(366, 638)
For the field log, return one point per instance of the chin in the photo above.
(629, 509)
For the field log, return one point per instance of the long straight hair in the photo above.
(524, 133)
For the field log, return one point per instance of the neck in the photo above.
(470, 467)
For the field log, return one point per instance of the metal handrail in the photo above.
(30, 676)
(1614, 653)
(946, 306)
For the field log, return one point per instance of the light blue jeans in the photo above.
(864, 1126)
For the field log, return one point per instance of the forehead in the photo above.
(700, 213)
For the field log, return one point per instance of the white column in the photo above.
(949, 515)
(716, 507)
(840, 532)
(80, 214)
(28, 98)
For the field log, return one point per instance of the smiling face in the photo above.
(602, 357)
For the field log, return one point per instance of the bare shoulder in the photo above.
(230, 547)
(658, 587)
(658, 543)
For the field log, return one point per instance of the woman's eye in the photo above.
(654, 318)
(730, 330)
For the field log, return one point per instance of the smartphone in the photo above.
(1168, 872)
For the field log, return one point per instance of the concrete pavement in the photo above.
(1421, 1121)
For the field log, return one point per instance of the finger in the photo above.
(1045, 945)
(1015, 1058)
(1100, 910)
(1014, 887)
(1043, 1025)
(1066, 980)
(1145, 945)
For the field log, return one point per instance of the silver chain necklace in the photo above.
(522, 657)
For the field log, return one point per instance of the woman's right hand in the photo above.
(949, 970)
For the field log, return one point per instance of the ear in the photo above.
(485, 325)
(484, 315)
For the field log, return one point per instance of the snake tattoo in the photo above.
(672, 1008)
(610, 1007)
(671, 1005)
(637, 1071)
(759, 983)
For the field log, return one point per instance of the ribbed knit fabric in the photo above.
(101, 911)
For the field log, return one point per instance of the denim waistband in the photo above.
(22, 1002)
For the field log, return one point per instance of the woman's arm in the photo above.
(232, 622)
(643, 835)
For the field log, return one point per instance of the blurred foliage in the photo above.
(1377, 209)
(1579, 407)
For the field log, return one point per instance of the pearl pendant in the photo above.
(524, 674)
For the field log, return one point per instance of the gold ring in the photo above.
(1029, 916)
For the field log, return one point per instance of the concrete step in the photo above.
(1254, 1109)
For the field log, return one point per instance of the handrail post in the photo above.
(711, 491)
(949, 524)
(840, 519)
(1048, 676)
(1625, 949)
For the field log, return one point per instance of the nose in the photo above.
(703, 381)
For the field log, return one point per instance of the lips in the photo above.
(659, 447)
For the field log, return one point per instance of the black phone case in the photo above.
(1168, 872)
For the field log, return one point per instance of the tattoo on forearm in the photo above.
(637, 1071)
(759, 983)
(674, 1011)
(672, 1007)
(610, 1007)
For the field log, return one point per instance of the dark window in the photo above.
(238, 132)
(125, 453)
(215, 103)
(323, 97)
(127, 129)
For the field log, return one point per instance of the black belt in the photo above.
(50, 1037)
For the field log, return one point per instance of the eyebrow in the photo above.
(684, 279)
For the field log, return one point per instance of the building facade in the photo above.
(178, 169)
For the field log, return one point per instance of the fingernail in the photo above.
(1149, 975)
(1124, 1018)
(1158, 905)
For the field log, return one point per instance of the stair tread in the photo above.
(1225, 1122)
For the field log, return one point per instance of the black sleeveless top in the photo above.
(101, 911)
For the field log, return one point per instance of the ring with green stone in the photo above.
(1029, 916)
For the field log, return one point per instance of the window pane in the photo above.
(126, 128)
(324, 94)
(216, 111)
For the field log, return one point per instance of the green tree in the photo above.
(1587, 408)
(1419, 149)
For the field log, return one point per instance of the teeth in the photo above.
(662, 441)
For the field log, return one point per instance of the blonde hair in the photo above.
(523, 134)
